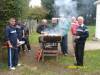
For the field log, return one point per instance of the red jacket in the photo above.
(74, 27)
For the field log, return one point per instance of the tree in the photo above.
(87, 9)
(38, 13)
(49, 6)
(12, 8)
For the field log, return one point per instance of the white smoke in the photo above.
(65, 8)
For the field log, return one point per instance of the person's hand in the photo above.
(10, 46)
(17, 40)
(23, 36)
(77, 37)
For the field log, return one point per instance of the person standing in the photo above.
(12, 40)
(26, 38)
(19, 29)
(74, 26)
(81, 35)
(42, 28)
(64, 27)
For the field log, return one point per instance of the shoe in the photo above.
(18, 65)
(29, 50)
(24, 50)
(12, 68)
(65, 54)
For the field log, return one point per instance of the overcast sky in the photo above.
(35, 3)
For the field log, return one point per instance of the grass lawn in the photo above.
(91, 32)
(52, 67)
(34, 38)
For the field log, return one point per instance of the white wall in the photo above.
(97, 34)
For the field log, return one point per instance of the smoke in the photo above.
(65, 8)
(64, 11)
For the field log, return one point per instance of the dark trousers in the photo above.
(27, 44)
(64, 44)
(79, 52)
(12, 57)
(19, 48)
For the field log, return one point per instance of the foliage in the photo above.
(12, 8)
(49, 5)
(37, 13)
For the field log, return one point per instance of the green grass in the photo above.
(52, 67)
(91, 61)
(34, 38)
(91, 32)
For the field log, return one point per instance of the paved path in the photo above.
(92, 45)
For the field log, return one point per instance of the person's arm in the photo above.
(28, 31)
(73, 30)
(38, 30)
(7, 37)
(85, 34)
(9, 44)
(23, 33)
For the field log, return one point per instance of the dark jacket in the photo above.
(26, 31)
(19, 29)
(11, 34)
(83, 33)
(41, 28)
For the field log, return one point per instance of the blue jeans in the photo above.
(64, 44)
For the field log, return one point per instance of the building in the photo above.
(97, 33)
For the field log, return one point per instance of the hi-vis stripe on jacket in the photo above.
(82, 31)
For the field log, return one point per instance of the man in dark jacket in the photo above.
(12, 40)
(19, 29)
(80, 39)
(41, 28)
(26, 38)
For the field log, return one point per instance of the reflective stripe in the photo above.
(86, 30)
(79, 30)
(10, 57)
(82, 30)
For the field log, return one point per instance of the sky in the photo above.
(35, 3)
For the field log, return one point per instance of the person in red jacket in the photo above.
(74, 26)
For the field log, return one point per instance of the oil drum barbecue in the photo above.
(49, 44)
